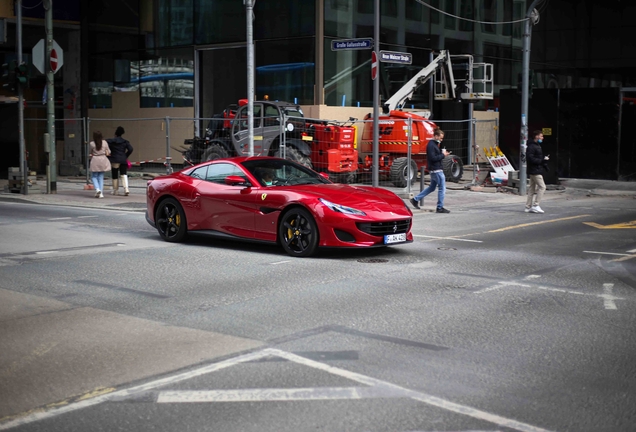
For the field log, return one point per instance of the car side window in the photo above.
(217, 172)
(199, 173)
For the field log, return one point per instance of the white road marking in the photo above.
(448, 238)
(609, 299)
(375, 384)
(606, 253)
(631, 251)
(47, 252)
(280, 262)
(607, 296)
(86, 217)
(271, 394)
(60, 218)
(532, 277)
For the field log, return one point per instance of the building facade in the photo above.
(188, 58)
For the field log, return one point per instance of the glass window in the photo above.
(285, 70)
(466, 11)
(449, 21)
(175, 23)
(218, 171)
(166, 78)
(199, 173)
(220, 21)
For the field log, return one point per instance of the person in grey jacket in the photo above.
(434, 157)
(120, 150)
(537, 163)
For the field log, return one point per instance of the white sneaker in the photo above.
(536, 209)
(101, 195)
(527, 210)
(97, 193)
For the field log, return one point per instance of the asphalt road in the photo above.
(492, 320)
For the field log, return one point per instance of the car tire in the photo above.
(399, 172)
(295, 155)
(170, 220)
(298, 232)
(214, 152)
(453, 168)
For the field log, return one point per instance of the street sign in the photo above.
(351, 44)
(396, 57)
(374, 65)
(53, 60)
(39, 56)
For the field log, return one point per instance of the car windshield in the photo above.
(282, 172)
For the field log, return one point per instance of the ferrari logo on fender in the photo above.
(263, 197)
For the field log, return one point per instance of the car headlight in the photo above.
(342, 209)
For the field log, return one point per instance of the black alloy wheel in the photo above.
(298, 232)
(170, 220)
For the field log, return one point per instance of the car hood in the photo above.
(364, 198)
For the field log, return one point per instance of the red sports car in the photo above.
(275, 200)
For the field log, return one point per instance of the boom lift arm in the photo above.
(443, 62)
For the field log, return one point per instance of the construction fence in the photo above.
(342, 149)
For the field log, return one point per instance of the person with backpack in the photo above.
(120, 149)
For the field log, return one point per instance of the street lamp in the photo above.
(532, 18)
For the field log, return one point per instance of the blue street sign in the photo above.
(396, 57)
(351, 44)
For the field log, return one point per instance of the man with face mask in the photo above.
(434, 156)
(536, 165)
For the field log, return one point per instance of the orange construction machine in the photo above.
(393, 127)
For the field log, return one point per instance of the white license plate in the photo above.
(394, 238)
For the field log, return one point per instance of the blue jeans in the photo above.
(438, 180)
(98, 180)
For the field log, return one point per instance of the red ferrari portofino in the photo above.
(275, 200)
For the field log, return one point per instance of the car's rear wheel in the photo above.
(170, 220)
(298, 232)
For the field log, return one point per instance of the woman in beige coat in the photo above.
(99, 153)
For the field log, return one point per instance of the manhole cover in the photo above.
(373, 260)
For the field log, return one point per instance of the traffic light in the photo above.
(8, 76)
(530, 82)
(22, 75)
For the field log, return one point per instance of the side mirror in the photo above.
(234, 180)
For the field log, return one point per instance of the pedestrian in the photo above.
(434, 155)
(537, 163)
(121, 149)
(99, 152)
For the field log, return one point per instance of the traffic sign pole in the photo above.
(50, 108)
(23, 160)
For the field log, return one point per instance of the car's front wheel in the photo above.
(170, 220)
(298, 232)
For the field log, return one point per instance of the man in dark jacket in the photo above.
(434, 156)
(120, 149)
(536, 165)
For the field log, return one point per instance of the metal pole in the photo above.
(87, 122)
(376, 97)
(23, 159)
(50, 90)
(527, 35)
(168, 158)
(408, 155)
(249, 13)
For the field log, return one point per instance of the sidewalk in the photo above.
(71, 192)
